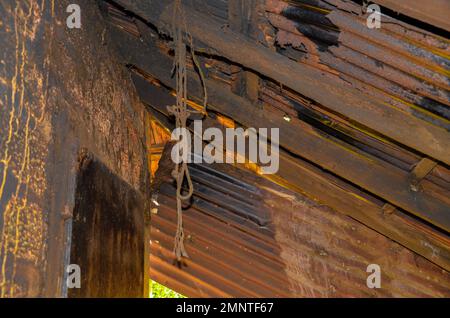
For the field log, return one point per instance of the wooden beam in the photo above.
(387, 120)
(241, 18)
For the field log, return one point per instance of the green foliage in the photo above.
(160, 291)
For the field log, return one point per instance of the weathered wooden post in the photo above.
(62, 91)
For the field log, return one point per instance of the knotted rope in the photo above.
(182, 113)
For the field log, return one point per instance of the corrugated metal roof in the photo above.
(305, 249)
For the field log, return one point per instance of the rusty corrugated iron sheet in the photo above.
(247, 237)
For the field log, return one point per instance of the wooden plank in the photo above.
(434, 12)
(420, 171)
(108, 234)
(241, 18)
(389, 121)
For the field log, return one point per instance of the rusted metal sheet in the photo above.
(301, 249)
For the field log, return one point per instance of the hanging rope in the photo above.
(182, 113)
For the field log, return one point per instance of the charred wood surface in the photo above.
(61, 90)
